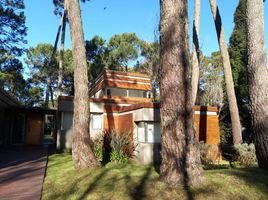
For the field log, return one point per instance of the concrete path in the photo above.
(22, 171)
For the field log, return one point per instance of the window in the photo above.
(96, 121)
(126, 92)
(145, 94)
(149, 132)
(141, 132)
(108, 92)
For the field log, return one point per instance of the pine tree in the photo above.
(236, 126)
(258, 79)
(81, 149)
(180, 155)
(238, 59)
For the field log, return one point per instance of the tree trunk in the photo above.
(180, 154)
(258, 79)
(196, 50)
(236, 126)
(81, 148)
(60, 76)
(49, 63)
(47, 95)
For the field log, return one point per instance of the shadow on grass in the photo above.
(138, 193)
(255, 177)
(94, 184)
(74, 187)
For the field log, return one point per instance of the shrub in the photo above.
(246, 155)
(119, 140)
(205, 153)
(98, 149)
(98, 140)
(226, 132)
(118, 157)
(122, 142)
(98, 152)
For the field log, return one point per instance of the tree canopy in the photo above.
(12, 28)
(12, 37)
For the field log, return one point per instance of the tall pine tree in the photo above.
(238, 59)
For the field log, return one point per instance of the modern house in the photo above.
(121, 101)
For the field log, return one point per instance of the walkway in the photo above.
(22, 172)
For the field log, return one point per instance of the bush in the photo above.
(98, 152)
(119, 140)
(113, 146)
(205, 153)
(246, 154)
(226, 132)
(122, 142)
(98, 149)
(118, 157)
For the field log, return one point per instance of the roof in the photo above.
(6, 100)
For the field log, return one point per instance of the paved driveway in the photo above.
(22, 172)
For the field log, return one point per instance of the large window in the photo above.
(149, 132)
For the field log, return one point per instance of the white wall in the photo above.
(65, 136)
(147, 114)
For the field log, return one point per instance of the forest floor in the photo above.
(132, 181)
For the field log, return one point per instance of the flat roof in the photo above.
(7, 100)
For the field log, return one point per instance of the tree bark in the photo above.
(180, 154)
(236, 126)
(258, 79)
(60, 76)
(196, 50)
(81, 147)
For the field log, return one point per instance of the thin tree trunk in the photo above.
(196, 50)
(258, 79)
(180, 154)
(81, 148)
(50, 62)
(60, 76)
(47, 93)
(236, 126)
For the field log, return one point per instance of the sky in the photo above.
(108, 17)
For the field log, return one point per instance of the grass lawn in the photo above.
(130, 181)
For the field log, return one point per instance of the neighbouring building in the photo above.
(121, 101)
(21, 125)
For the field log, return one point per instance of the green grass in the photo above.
(130, 181)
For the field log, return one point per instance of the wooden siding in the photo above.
(120, 123)
(127, 85)
(111, 100)
(127, 78)
(120, 80)
(208, 130)
(126, 74)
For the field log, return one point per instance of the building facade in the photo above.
(121, 101)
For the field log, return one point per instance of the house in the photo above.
(21, 125)
(121, 101)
